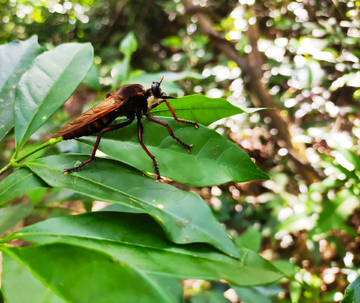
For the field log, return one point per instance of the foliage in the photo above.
(192, 223)
(297, 59)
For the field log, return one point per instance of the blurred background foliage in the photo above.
(300, 58)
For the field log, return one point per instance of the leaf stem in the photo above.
(52, 141)
(5, 168)
(14, 162)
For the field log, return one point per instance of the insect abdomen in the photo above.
(91, 128)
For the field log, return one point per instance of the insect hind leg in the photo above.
(96, 145)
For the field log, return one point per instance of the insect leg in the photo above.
(155, 104)
(103, 131)
(140, 133)
(153, 119)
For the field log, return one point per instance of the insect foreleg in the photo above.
(103, 131)
(153, 119)
(155, 104)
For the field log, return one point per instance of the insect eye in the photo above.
(108, 95)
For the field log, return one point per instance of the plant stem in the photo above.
(52, 141)
(5, 168)
(13, 162)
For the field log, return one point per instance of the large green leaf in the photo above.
(213, 159)
(52, 78)
(18, 183)
(138, 240)
(10, 216)
(15, 59)
(352, 292)
(61, 272)
(198, 108)
(184, 216)
(92, 79)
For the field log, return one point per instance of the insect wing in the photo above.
(102, 108)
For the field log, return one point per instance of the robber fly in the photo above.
(130, 100)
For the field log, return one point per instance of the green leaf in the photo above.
(198, 108)
(213, 159)
(258, 294)
(92, 79)
(50, 81)
(15, 59)
(37, 195)
(352, 292)
(122, 208)
(128, 45)
(139, 241)
(121, 70)
(350, 79)
(250, 239)
(337, 210)
(285, 267)
(10, 216)
(41, 274)
(20, 182)
(295, 291)
(173, 41)
(184, 216)
(351, 157)
(173, 286)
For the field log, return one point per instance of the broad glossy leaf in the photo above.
(52, 78)
(213, 159)
(92, 79)
(11, 215)
(18, 183)
(352, 292)
(138, 240)
(198, 108)
(67, 273)
(184, 216)
(15, 59)
(168, 85)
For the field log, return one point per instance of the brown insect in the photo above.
(130, 100)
